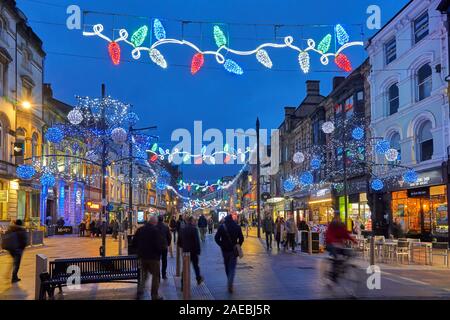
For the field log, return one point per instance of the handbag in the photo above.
(237, 247)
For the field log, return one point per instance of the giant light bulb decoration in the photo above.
(223, 51)
(75, 116)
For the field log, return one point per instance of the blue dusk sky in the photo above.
(172, 98)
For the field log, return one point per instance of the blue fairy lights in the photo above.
(25, 172)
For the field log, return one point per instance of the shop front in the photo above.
(320, 207)
(93, 211)
(421, 208)
(357, 209)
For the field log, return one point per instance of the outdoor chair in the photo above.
(403, 249)
(440, 249)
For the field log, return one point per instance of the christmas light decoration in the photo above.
(139, 36)
(358, 133)
(315, 163)
(341, 34)
(119, 135)
(158, 58)
(25, 172)
(48, 180)
(343, 62)
(263, 57)
(299, 157)
(289, 185)
(132, 118)
(158, 30)
(328, 127)
(233, 67)
(219, 37)
(306, 178)
(391, 155)
(304, 61)
(54, 135)
(91, 155)
(324, 45)
(377, 184)
(382, 146)
(75, 116)
(197, 62)
(410, 176)
(114, 52)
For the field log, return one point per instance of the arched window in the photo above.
(424, 82)
(34, 145)
(425, 141)
(393, 99)
(395, 144)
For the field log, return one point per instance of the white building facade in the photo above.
(410, 108)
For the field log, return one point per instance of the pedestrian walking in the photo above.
(268, 227)
(148, 243)
(115, 229)
(92, 228)
(173, 228)
(14, 241)
(82, 228)
(190, 242)
(279, 231)
(210, 225)
(125, 225)
(228, 235)
(291, 231)
(60, 222)
(202, 225)
(166, 240)
(98, 228)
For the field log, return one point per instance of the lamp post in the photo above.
(258, 177)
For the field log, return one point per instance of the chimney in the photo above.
(289, 111)
(312, 88)
(47, 90)
(337, 82)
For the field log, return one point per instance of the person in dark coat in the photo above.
(17, 242)
(228, 235)
(166, 238)
(82, 228)
(210, 225)
(115, 229)
(125, 225)
(92, 228)
(190, 242)
(202, 225)
(268, 227)
(148, 243)
(173, 228)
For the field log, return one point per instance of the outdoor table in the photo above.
(391, 247)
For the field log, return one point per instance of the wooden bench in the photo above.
(92, 270)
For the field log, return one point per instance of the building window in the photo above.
(27, 92)
(424, 82)
(425, 142)
(395, 144)
(349, 107)
(393, 99)
(421, 29)
(390, 50)
(34, 145)
(360, 95)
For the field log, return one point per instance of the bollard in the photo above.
(186, 276)
(41, 266)
(178, 266)
(120, 243)
(372, 251)
(309, 242)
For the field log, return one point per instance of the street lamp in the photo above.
(26, 104)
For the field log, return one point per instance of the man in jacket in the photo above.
(190, 242)
(17, 236)
(166, 238)
(202, 225)
(291, 230)
(228, 235)
(148, 243)
(268, 227)
(173, 228)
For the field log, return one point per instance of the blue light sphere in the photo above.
(160, 185)
(25, 172)
(410, 176)
(306, 178)
(48, 179)
(315, 163)
(377, 184)
(382, 146)
(54, 135)
(289, 185)
(132, 118)
(358, 133)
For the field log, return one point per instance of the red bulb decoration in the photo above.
(197, 63)
(154, 158)
(114, 52)
(343, 62)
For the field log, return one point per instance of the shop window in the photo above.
(425, 142)
(424, 82)
(390, 50)
(421, 29)
(393, 99)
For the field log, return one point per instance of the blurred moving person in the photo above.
(210, 225)
(166, 240)
(268, 227)
(190, 242)
(14, 241)
(202, 225)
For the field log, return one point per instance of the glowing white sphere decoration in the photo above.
(119, 135)
(75, 116)
(391, 155)
(328, 127)
(299, 157)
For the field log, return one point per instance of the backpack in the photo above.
(10, 241)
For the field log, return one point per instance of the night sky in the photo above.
(173, 98)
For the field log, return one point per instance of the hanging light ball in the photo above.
(358, 133)
(382, 146)
(54, 135)
(48, 179)
(25, 172)
(377, 184)
(328, 127)
(391, 155)
(410, 176)
(289, 185)
(119, 135)
(298, 158)
(306, 178)
(75, 116)
(315, 163)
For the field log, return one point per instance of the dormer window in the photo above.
(421, 29)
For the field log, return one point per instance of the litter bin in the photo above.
(131, 249)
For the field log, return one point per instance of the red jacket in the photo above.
(337, 233)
